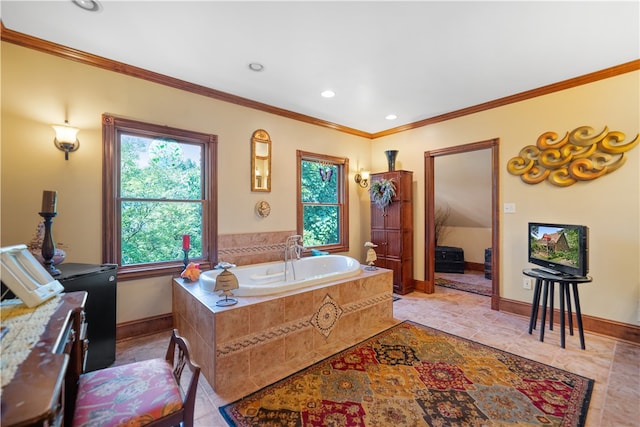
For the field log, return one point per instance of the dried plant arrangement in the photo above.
(382, 192)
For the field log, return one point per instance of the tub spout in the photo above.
(292, 251)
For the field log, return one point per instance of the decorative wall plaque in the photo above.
(581, 155)
(263, 209)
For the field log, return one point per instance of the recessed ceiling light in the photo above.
(256, 66)
(90, 5)
(328, 94)
(391, 117)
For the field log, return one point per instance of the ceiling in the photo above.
(416, 59)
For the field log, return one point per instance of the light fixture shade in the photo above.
(66, 134)
(365, 174)
(66, 138)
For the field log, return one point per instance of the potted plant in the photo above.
(382, 191)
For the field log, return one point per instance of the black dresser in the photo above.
(449, 259)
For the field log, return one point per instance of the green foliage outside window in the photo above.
(161, 199)
(319, 195)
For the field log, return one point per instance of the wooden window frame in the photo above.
(343, 197)
(112, 126)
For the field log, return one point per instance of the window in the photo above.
(323, 201)
(158, 185)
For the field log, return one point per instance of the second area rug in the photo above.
(476, 288)
(411, 375)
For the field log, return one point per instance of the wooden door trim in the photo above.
(429, 212)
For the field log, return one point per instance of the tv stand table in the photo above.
(545, 283)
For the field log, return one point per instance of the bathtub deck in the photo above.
(262, 339)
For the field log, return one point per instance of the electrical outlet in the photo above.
(526, 282)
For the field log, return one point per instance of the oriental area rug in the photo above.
(476, 288)
(413, 375)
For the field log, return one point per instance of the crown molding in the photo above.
(45, 46)
(522, 96)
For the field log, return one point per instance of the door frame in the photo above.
(429, 212)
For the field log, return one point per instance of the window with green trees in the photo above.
(323, 201)
(158, 187)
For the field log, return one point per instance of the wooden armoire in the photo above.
(392, 230)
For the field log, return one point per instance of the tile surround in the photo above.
(252, 248)
(239, 345)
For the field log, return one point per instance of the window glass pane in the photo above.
(159, 169)
(321, 225)
(152, 231)
(319, 182)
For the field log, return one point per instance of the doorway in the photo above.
(429, 177)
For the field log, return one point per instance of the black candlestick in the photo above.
(185, 261)
(48, 245)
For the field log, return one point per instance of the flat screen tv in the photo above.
(560, 249)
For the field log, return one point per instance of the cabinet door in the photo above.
(392, 216)
(396, 267)
(377, 217)
(394, 243)
(379, 237)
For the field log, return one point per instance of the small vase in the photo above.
(391, 159)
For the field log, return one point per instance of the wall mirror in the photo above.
(260, 161)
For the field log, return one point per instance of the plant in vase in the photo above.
(440, 222)
(382, 192)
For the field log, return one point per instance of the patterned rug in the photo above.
(467, 287)
(413, 375)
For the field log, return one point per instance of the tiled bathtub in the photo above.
(262, 339)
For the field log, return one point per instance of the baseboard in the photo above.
(597, 325)
(142, 327)
(421, 286)
(474, 266)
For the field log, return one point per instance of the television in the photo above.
(560, 249)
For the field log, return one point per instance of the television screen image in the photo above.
(561, 248)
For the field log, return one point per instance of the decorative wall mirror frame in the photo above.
(260, 161)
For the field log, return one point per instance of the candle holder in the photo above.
(185, 260)
(48, 245)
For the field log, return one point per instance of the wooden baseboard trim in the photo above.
(139, 328)
(597, 325)
(422, 286)
(474, 266)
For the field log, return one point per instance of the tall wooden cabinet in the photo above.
(392, 230)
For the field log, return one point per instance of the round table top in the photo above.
(540, 274)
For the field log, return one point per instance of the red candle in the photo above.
(186, 241)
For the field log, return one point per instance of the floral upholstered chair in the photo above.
(144, 393)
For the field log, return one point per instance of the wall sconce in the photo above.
(66, 139)
(362, 178)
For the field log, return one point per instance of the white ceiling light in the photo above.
(391, 117)
(90, 5)
(328, 93)
(256, 66)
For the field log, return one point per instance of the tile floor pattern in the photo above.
(613, 364)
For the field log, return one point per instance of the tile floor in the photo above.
(613, 364)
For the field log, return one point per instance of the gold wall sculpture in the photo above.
(581, 155)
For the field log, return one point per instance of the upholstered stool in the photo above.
(143, 393)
